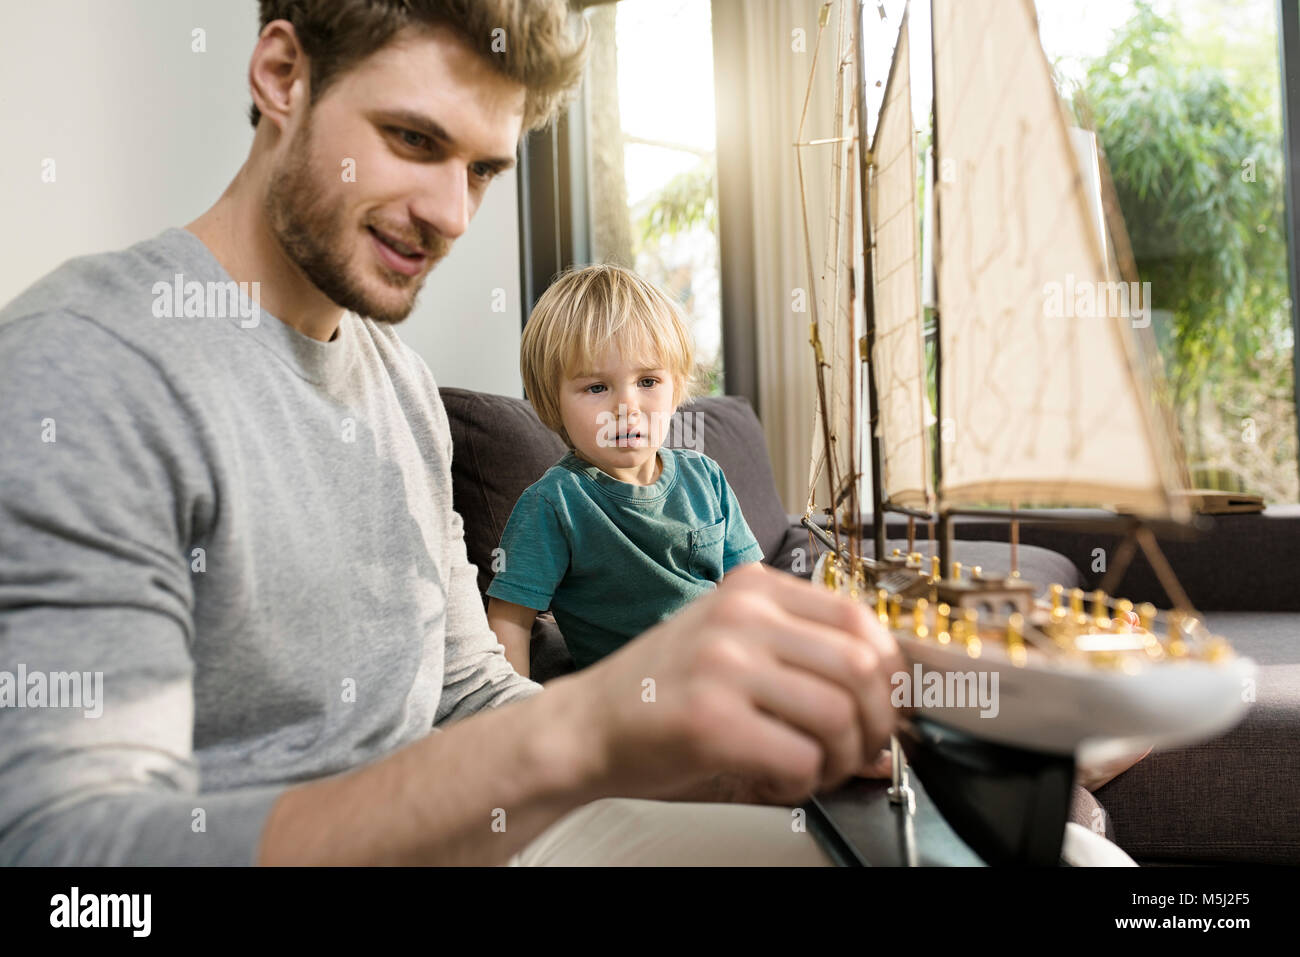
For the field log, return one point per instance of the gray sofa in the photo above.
(1236, 799)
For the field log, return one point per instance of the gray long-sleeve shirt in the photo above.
(249, 533)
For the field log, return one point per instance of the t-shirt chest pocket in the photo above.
(706, 550)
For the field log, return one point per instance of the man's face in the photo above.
(387, 169)
(617, 415)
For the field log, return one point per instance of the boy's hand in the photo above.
(1094, 776)
(768, 679)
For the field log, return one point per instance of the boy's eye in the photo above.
(648, 382)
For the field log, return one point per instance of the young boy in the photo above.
(621, 532)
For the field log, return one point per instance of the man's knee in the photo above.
(635, 832)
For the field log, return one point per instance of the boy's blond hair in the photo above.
(585, 312)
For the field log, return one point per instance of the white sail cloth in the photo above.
(837, 323)
(899, 350)
(1043, 399)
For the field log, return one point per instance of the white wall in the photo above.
(146, 134)
(454, 325)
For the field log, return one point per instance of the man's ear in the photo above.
(278, 73)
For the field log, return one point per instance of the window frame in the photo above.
(1288, 39)
(554, 194)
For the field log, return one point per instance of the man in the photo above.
(237, 523)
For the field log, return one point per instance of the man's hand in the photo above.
(768, 680)
(882, 766)
(763, 691)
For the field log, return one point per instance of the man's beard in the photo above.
(312, 228)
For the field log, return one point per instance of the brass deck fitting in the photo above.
(1058, 593)
(1147, 616)
(972, 629)
(1016, 640)
(1123, 609)
(1099, 614)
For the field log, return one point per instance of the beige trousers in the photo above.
(633, 832)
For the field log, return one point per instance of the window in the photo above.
(651, 157)
(1185, 97)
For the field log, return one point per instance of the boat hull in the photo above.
(1069, 710)
(1010, 805)
(996, 743)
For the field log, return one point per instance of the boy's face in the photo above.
(617, 415)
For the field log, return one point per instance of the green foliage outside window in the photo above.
(1192, 133)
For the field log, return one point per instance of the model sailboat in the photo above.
(1036, 406)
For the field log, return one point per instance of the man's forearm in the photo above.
(473, 794)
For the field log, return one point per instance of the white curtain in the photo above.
(780, 37)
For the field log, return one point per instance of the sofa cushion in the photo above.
(726, 429)
(548, 655)
(500, 448)
(1233, 798)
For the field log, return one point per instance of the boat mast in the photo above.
(814, 337)
(945, 523)
(866, 352)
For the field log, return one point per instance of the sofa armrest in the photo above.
(794, 556)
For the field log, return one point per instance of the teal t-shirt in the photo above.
(611, 559)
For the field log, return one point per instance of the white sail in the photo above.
(1043, 399)
(899, 351)
(834, 288)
